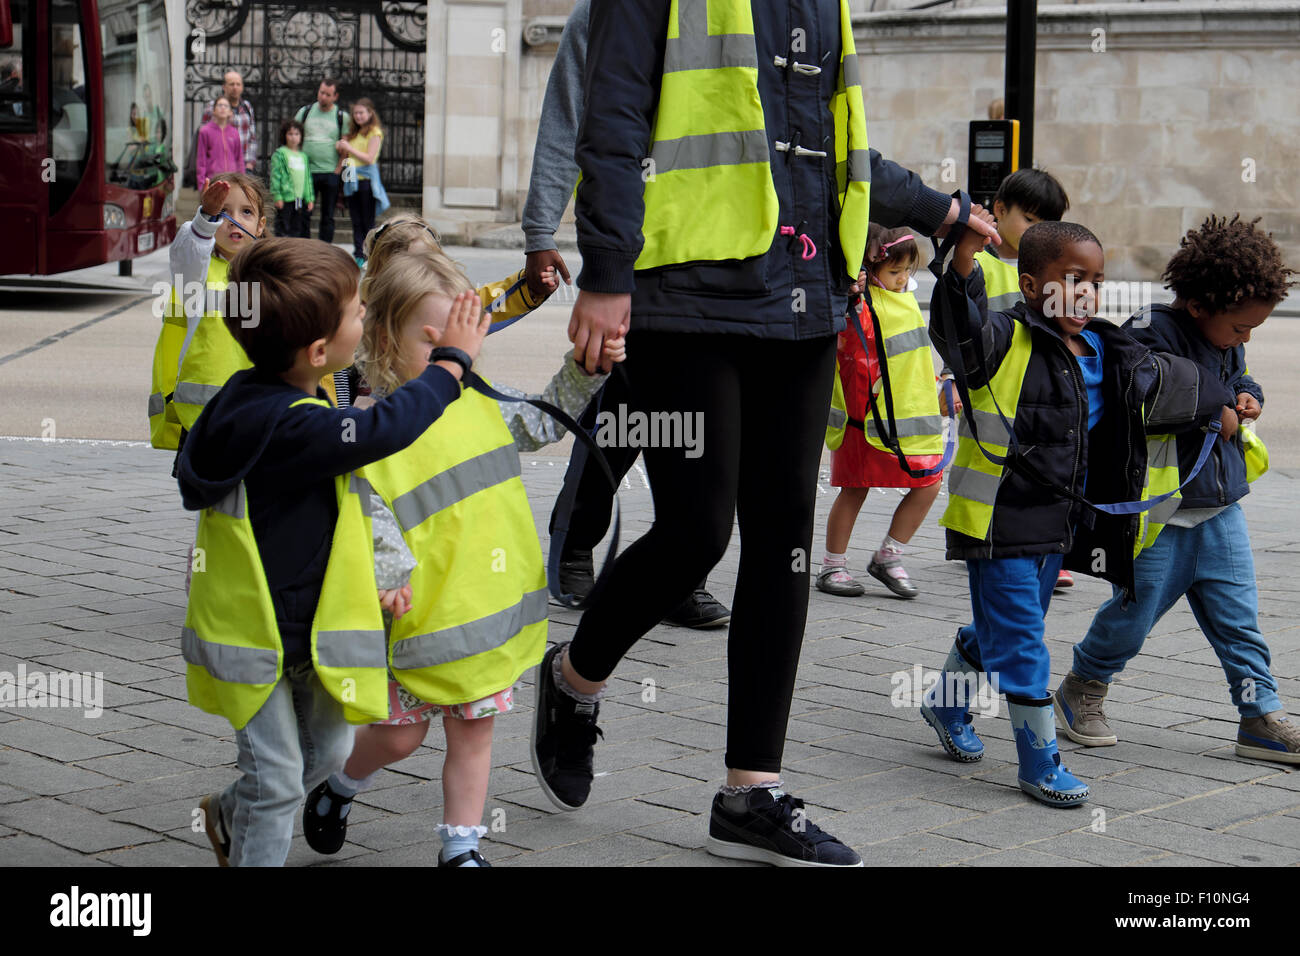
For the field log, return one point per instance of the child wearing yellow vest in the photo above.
(195, 353)
(283, 630)
(862, 460)
(460, 504)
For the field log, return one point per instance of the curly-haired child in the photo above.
(1227, 277)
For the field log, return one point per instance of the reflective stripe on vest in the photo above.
(719, 158)
(210, 358)
(973, 480)
(1001, 282)
(917, 422)
(1162, 477)
(460, 501)
(164, 423)
(231, 641)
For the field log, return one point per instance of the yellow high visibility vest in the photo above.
(231, 643)
(973, 480)
(1161, 477)
(212, 357)
(1001, 281)
(709, 146)
(164, 419)
(917, 421)
(478, 616)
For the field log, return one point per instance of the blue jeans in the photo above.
(1211, 564)
(1009, 599)
(295, 741)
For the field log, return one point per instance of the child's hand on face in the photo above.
(467, 325)
(396, 601)
(1248, 406)
(214, 197)
(1228, 423)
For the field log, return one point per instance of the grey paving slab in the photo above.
(71, 826)
(94, 566)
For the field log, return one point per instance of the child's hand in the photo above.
(972, 240)
(535, 269)
(279, 204)
(615, 349)
(860, 285)
(1248, 406)
(397, 601)
(1228, 423)
(214, 197)
(467, 326)
(310, 205)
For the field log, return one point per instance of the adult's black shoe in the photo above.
(699, 610)
(563, 741)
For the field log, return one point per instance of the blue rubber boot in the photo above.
(1042, 775)
(946, 708)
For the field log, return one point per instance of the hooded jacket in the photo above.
(1223, 479)
(287, 459)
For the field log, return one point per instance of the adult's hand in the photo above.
(538, 262)
(598, 316)
(985, 226)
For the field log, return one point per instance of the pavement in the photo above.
(92, 553)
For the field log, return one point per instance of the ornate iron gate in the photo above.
(374, 49)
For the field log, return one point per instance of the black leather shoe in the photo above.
(325, 833)
(577, 578)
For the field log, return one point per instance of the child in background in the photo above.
(361, 183)
(195, 353)
(219, 148)
(862, 461)
(1079, 397)
(283, 634)
(464, 515)
(1227, 277)
(291, 187)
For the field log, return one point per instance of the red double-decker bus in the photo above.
(86, 166)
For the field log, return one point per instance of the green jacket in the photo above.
(282, 182)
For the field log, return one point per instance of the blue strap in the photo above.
(588, 443)
(231, 220)
(499, 303)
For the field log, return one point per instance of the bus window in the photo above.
(17, 104)
(69, 116)
(137, 93)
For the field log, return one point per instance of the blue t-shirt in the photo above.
(1090, 365)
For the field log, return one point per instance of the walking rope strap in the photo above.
(889, 435)
(586, 445)
(1015, 458)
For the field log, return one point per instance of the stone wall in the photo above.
(1173, 111)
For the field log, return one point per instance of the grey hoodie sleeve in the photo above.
(555, 171)
(570, 389)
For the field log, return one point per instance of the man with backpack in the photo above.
(323, 126)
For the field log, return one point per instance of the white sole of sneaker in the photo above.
(755, 854)
(1263, 753)
(1064, 726)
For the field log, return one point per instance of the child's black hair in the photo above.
(1223, 264)
(1045, 242)
(1036, 192)
(284, 132)
(908, 254)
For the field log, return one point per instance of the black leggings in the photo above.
(361, 208)
(764, 405)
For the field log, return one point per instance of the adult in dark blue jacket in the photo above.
(1227, 277)
(746, 347)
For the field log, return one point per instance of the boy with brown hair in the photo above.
(283, 635)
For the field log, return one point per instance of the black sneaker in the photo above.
(701, 609)
(215, 827)
(469, 857)
(563, 741)
(325, 834)
(770, 826)
(577, 577)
